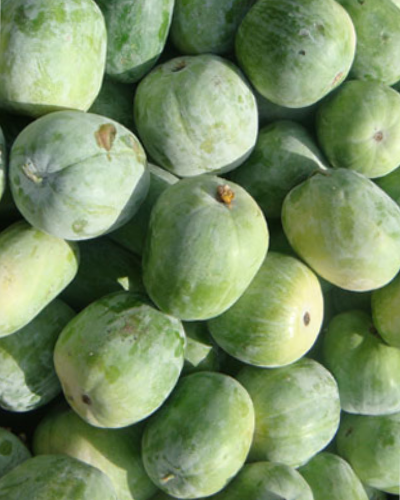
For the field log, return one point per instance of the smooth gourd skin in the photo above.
(104, 268)
(201, 437)
(196, 115)
(377, 25)
(277, 319)
(297, 411)
(284, 156)
(266, 481)
(202, 253)
(116, 452)
(332, 478)
(119, 359)
(207, 27)
(358, 127)
(137, 31)
(345, 228)
(294, 53)
(366, 369)
(56, 477)
(371, 444)
(385, 312)
(132, 235)
(34, 268)
(77, 175)
(53, 55)
(27, 376)
(12, 451)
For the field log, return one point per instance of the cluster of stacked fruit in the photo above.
(155, 317)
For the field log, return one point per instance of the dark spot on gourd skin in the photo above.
(86, 399)
(349, 431)
(302, 52)
(307, 318)
(105, 136)
(378, 136)
(179, 66)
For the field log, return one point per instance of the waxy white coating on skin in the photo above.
(196, 114)
(52, 55)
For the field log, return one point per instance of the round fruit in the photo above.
(77, 175)
(34, 268)
(345, 228)
(119, 359)
(358, 128)
(206, 241)
(277, 319)
(53, 55)
(295, 53)
(196, 115)
(201, 437)
(297, 411)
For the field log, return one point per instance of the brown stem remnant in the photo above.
(30, 171)
(225, 195)
(166, 479)
(307, 318)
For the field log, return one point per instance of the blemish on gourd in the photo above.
(179, 66)
(31, 172)
(307, 318)
(105, 136)
(225, 195)
(166, 479)
(337, 78)
(378, 136)
(86, 399)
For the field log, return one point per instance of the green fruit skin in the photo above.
(345, 228)
(12, 451)
(201, 353)
(390, 183)
(115, 101)
(208, 27)
(378, 39)
(196, 115)
(132, 235)
(266, 481)
(358, 127)
(104, 268)
(371, 444)
(186, 451)
(3, 163)
(297, 411)
(116, 452)
(385, 312)
(366, 369)
(277, 319)
(34, 268)
(53, 55)
(137, 31)
(119, 359)
(212, 239)
(96, 184)
(284, 156)
(294, 53)
(27, 376)
(332, 478)
(55, 477)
